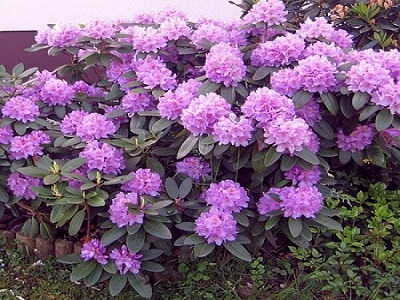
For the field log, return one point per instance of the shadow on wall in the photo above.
(12, 52)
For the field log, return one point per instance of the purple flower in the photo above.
(64, 35)
(57, 92)
(224, 64)
(174, 28)
(302, 201)
(233, 130)
(358, 140)
(217, 226)
(115, 71)
(21, 109)
(145, 39)
(265, 105)
(288, 135)
(95, 126)
(134, 102)
(169, 13)
(341, 38)
(72, 121)
(6, 135)
(145, 182)
(94, 249)
(99, 30)
(317, 28)
(126, 261)
(103, 157)
(303, 177)
(266, 203)
(171, 103)
(281, 51)
(82, 87)
(194, 167)
(20, 185)
(227, 195)
(28, 145)
(329, 50)
(317, 74)
(160, 75)
(286, 82)
(116, 120)
(272, 12)
(203, 112)
(390, 137)
(207, 34)
(367, 77)
(310, 112)
(388, 95)
(119, 210)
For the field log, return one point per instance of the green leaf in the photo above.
(271, 222)
(161, 124)
(151, 267)
(18, 69)
(76, 222)
(119, 180)
(112, 235)
(33, 171)
(117, 284)
(194, 239)
(238, 250)
(93, 277)
(295, 226)
(115, 114)
(368, 111)
(327, 222)
(4, 196)
(69, 259)
(383, 119)
(330, 103)
(185, 188)
(262, 72)
(135, 241)
(96, 201)
(271, 156)
(203, 249)
(376, 156)
(138, 283)
(324, 129)
(359, 100)
(73, 164)
(151, 254)
(82, 270)
(346, 107)
(187, 146)
(157, 229)
(209, 87)
(155, 165)
(307, 156)
(160, 204)
(185, 226)
(301, 98)
(51, 179)
(172, 188)
(287, 162)
(242, 219)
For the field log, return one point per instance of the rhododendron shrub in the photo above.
(164, 136)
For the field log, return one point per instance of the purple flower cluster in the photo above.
(160, 75)
(203, 112)
(145, 39)
(227, 196)
(93, 126)
(288, 135)
(57, 92)
(144, 182)
(233, 130)
(317, 74)
(134, 102)
(217, 226)
(388, 95)
(171, 103)
(6, 135)
(281, 51)
(272, 12)
(294, 201)
(28, 145)
(21, 109)
(328, 50)
(286, 81)
(174, 28)
(103, 157)
(99, 30)
(310, 112)
(367, 77)
(119, 210)
(390, 137)
(193, 167)
(303, 177)
(20, 185)
(126, 261)
(116, 120)
(360, 138)
(224, 64)
(72, 121)
(265, 105)
(207, 34)
(94, 249)
(64, 35)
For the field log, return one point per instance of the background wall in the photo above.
(19, 15)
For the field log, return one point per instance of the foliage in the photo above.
(167, 141)
(362, 262)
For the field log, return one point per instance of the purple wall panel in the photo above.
(12, 45)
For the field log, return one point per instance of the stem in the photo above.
(88, 221)
(39, 215)
(237, 166)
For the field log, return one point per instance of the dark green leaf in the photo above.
(154, 165)
(135, 241)
(172, 188)
(138, 283)
(73, 258)
(151, 254)
(324, 129)
(117, 284)
(376, 155)
(271, 156)
(203, 249)
(82, 270)
(262, 72)
(193, 239)
(346, 107)
(359, 100)
(152, 266)
(187, 146)
(287, 162)
(271, 222)
(185, 188)
(157, 229)
(301, 98)
(33, 171)
(330, 103)
(186, 226)
(160, 204)
(161, 124)
(383, 119)
(327, 222)
(51, 179)
(112, 235)
(368, 111)
(76, 223)
(242, 219)
(344, 157)
(93, 277)
(295, 226)
(238, 250)
(307, 156)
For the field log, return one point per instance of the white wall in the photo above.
(35, 14)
